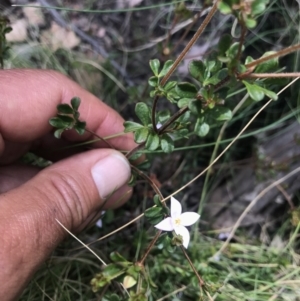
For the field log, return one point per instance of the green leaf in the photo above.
(179, 134)
(152, 141)
(258, 7)
(197, 69)
(215, 79)
(154, 65)
(7, 30)
(153, 81)
(141, 135)
(153, 212)
(57, 133)
(210, 65)
(250, 23)
(131, 126)
(184, 102)
(224, 8)
(157, 201)
(269, 65)
(167, 144)
(129, 282)
(80, 127)
(143, 113)
(223, 59)
(64, 109)
(117, 257)
(166, 68)
(201, 128)
(195, 107)
(170, 85)
(186, 90)
(222, 113)
(113, 270)
(113, 297)
(224, 43)
(270, 94)
(257, 93)
(62, 122)
(75, 103)
(249, 59)
(233, 50)
(154, 215)
(254, 91)
(163, 116)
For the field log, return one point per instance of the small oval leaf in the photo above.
(143, 113)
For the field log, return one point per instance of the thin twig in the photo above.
(134, 150)
(195, 18)
(100, 138)
(287, 196)
(280, 53)
(153, 113)
(191, 42)
(149, 180)
(269, 75)
(172, 293)
(242, 39)
(201, 281)
(152, 243)
(172, 119)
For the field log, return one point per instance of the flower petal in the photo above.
(189, 218)
(184, 232)
(165, 225)
(175, 208)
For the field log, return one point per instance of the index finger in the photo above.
(29, 99)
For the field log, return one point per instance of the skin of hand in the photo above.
(72, 190)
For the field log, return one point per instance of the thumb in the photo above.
(70, 191)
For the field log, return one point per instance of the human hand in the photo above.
(72, 190)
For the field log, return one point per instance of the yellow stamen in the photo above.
(177, 221)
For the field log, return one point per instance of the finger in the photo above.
(15, 175)
(69, 191)
(117, 199)
(29, 99)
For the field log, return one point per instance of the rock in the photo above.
(59, 37)
(34, 15)
(19, 32)
(128, 3)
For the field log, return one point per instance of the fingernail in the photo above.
(110, 173)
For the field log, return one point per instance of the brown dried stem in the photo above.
(201, 281)
(269, 75)
(191, 42)
(280, 53)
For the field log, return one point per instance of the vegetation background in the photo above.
(106, 46)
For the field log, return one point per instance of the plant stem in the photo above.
(152, 184)
(172, 119)
(103, 140)
(134, 150)
(159, 131)
(195, 18)
(242, 38)
(280, 53)
(191, 43)
(153, 112)
(201, 281)
(269, 75)
(141, 262)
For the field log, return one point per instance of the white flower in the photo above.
(178, 222)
